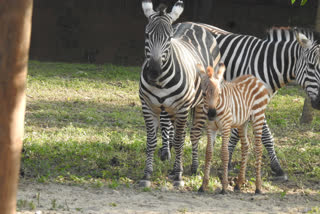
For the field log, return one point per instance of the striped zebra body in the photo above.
(169, 83)
(277, 60)
(231, 105)
(285, 55)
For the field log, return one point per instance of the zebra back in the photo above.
(284, 55)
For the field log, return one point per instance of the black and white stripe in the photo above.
(285, 55)
(169, 83)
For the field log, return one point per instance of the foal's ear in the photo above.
(220, 72)
(209, 71)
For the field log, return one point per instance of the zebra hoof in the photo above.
(223, 192)
(281, 178)
(236, 188)
(178, 183)
(194, 170)
(258, 192)
(201, 189)
(278, 173)
(165, 155)
(145, 183)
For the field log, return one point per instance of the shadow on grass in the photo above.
(84, 114)
(46, 70)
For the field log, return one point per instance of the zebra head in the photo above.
(158, 34)
(211, 87)
(308, 66)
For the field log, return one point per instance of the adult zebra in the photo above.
(169, 83)
(285, 55)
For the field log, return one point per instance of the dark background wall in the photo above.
(112, 31)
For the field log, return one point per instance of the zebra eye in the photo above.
(204, 94)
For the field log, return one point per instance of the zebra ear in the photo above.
(203, 77)
(147, 7)
(176, 10)
(303, 40)
(201, 71)
(220, 72)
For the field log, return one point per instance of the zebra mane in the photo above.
(288, 33)
(162, 9)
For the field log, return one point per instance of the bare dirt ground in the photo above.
(60, 198)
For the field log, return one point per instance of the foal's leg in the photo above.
(225, 156)
(257, 129)
(244, 155)
(211, 136)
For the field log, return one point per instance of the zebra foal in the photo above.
(231, 105)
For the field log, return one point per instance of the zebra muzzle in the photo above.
(212, 113)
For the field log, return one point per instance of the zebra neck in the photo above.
(225, 93)
(298, 67)
(168, 75)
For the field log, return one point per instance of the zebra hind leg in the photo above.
(268, 142)
(234, 138)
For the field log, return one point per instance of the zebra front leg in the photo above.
(225, 156)
(152, 123)
(244, 155)
(268, 142)
(234, 138)
(178, 142)
(199, 120)
(211, 136)
(167, 131)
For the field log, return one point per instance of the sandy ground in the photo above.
(57, 198)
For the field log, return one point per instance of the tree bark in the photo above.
(307, 115)
(15, 25)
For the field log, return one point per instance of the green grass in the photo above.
(84, 125)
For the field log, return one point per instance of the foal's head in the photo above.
(211, 87)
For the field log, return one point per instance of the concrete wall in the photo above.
(105, 31)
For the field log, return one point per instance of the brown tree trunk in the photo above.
(307, 115)
(15, 25)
